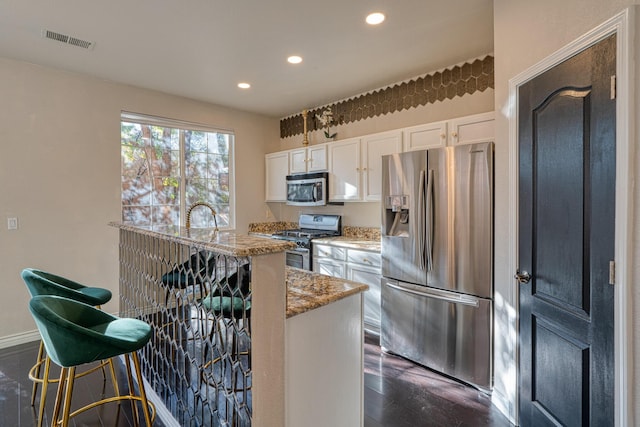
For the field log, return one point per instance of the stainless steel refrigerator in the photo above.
(437, 259)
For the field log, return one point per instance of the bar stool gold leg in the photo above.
(67, 397)
(34, 388)
(59, 397)
(43, 392)
(134, 407)
(114, 379)
(143, 394)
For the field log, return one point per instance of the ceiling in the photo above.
(201, 49)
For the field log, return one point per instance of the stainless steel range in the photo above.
(310, 227)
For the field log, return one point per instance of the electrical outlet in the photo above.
(12, 223)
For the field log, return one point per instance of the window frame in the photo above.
(181, 125)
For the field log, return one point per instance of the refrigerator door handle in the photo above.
(430, 209)
(421, 221)
(439, 295)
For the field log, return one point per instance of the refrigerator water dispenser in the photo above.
(396, 220)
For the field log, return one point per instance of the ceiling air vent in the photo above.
(63, 38)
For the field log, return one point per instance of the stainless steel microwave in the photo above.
(308, 189)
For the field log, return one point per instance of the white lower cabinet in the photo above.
(358, 265)
(369, 276)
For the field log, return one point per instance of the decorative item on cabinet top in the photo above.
(473, 76)
(326, 121)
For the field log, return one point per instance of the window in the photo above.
(168, 165)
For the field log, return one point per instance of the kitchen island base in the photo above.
(224, 346)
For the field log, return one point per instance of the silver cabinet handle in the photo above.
(522, 278)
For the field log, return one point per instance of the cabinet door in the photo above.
(374, 147)
(276, 171)
(472, 129)
(298, 160)
(422, 137)
(317, 158)
(370, 276)
(344, 165)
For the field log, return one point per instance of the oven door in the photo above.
(299, 258)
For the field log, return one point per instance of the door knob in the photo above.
(522, 278)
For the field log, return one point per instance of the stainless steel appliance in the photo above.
(308, 189)
(311, 226)
(437, 258)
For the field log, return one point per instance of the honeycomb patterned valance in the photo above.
(447, 84)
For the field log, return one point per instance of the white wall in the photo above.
(60, 170)
(367, 214)
(525, 33)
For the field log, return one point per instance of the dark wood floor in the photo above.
(15, 393)
(397, 393)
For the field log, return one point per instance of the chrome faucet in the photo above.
(213, 212)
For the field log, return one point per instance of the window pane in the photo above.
(140, 215)
(166, 215)
(135, 193)
(223, 216)
(195, 141)
(196, 165)
(201, 217)
(152, 175)
(166, 190)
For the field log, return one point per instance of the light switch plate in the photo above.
(12, 223)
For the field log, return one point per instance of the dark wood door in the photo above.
(566, 241)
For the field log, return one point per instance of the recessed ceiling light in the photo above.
(375, 18)
(294, 59)
(244, 85)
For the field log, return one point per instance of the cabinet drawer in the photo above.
(364, 257)
(329, 268)
(329, 252)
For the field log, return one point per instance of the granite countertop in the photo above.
(353, 237)
(222, 242)
(351, 243)
(307, 290)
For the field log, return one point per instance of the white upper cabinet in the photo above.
(344, 167)
(472, 129)
(463, 130)
(422, 137)
(355, 164)
(309, 159)
(277, 169)
(373, 148)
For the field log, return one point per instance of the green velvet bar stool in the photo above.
(74, 334)
(230, 300)
(43, 283)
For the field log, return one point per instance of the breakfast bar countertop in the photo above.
(307, 290)
(223, 242)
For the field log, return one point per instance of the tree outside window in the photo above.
(167, 168)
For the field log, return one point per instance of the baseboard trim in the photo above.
(21, 338)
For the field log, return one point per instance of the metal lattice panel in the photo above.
(199, 304)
